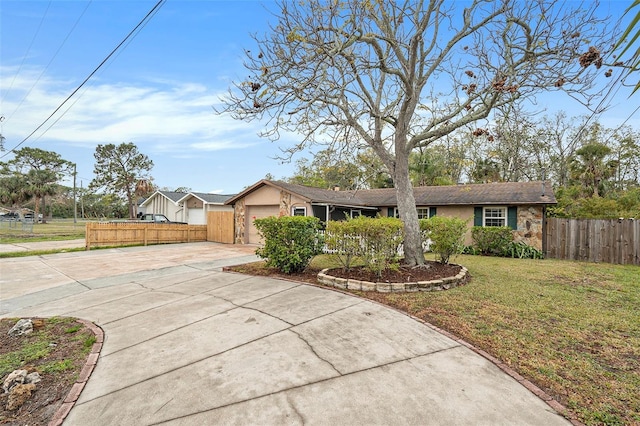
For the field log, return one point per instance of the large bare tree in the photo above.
(399, 75)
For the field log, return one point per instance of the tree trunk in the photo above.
(130, 200)
(413, 254)
(36, 208)
(44, 209)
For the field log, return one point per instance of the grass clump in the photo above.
(57, 366)
(31, 351)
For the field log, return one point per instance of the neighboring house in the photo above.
(189, 207)
(140, 210)
(520, 205)
(197, 204)
(166, 203)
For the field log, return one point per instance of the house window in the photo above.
(299, 211)
(494, 216)
(423, 212)
(356, 213)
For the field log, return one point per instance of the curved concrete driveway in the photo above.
(187, 344)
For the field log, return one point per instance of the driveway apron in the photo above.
(188, 344)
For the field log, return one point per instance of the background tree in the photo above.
(40, 184)
(182, 189)
(428, 166)
(118, 169)
(327, 170)
(591, 167)
(485, 170)
(13, 190)
(560, 135)
(397, 76)
(41, 171)
(345, 170)
(626, 153)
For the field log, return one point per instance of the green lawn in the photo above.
(571, 328)
(56, 229)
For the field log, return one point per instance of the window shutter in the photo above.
(390, 212)
(432, 211)
(477, 216)
(512, 217)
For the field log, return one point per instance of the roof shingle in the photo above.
(512, 193)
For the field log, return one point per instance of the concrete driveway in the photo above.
(188, 344)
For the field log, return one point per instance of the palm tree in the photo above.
(591, 168)
(12, 190)
(633, 31)
(144, 187)
(41, 183)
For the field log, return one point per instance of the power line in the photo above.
(599, 108)
(24, 58)
(150, 14)
(85, 89)
(50, 61)
(628, 118)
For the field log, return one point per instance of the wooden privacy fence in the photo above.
(220, 227)
(136, 233)
(593, 240)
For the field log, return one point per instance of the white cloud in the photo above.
(165, 115)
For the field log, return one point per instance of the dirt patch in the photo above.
(57, 349)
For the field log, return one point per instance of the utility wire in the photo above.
(85, 89)
(24, 58)
(628, 118)
(599, 108)
(50, 61)
(131, 33)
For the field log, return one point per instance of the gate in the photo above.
(220, 227)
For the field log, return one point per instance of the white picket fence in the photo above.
(426, 244)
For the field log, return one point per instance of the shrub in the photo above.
(374, 240)
(522, 251)
(492, 240)
(446, 235)
(472, 250)
(382, 238)
(290, 242)
(343, 241)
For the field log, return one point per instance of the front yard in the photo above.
(571, 328)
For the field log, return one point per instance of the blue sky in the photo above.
(157, 92)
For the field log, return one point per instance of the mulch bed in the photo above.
(432, 271)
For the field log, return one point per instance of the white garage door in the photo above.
(258, 212)
(197, 217)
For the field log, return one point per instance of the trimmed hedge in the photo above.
(498, 241)
(374, 240)
(290, 242)
(491, 240)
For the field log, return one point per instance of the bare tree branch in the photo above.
(401, 75)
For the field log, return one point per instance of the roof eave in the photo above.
(144, 203)
(259, 184)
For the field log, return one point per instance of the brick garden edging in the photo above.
(433, 285)
(68, 403)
